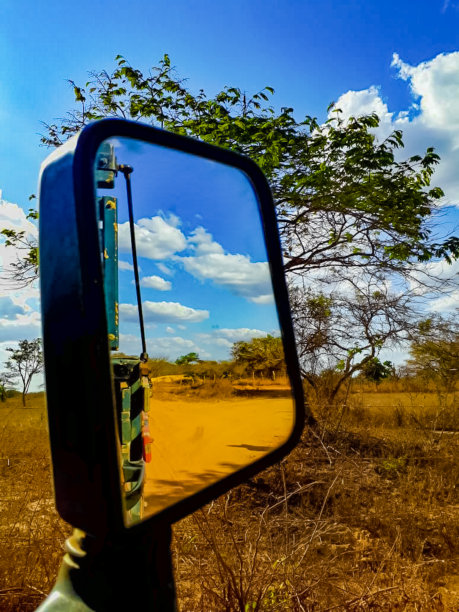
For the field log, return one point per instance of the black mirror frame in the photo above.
(80, 397)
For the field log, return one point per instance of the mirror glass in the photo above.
(206, 393)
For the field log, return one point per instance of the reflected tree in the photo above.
(187, 359)
(261, 356)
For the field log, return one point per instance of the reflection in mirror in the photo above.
(200, 377)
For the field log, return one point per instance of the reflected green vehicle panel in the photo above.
(108, 215)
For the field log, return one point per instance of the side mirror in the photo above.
(171, 370)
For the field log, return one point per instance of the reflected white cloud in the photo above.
(169, 347)
(156, 282)
(160, 238)
(125, 265)
(202, 242)
(235, 272)
(156, 238)
(226, 337)
(165, 269)
(263, 299)
(174, 345)
(162, 312)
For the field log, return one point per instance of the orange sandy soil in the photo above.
(196, 443)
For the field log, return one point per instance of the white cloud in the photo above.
(202, 242)
(431, 120)
(446, 302)
(125, 265)
(433, 274)
(13, 217)
(156, 238)
(170, 330)
(235, 272)
(156, 282)
(436, 85)
(130, 344)
(8, 309)
(20, 326)
(164, 269)
(18, 319)
(226, 336)
(163, 312)
(263, 299)
(175, 343)
(355, 103)
(160, 238)
(171, 346)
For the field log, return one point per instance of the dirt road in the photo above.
(197, 443)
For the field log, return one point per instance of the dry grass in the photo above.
(349, 522)
(31, 533)
(363, 515)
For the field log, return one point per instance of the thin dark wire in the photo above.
(127, 170)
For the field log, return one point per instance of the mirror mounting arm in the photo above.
(127, 171)
(100, 574)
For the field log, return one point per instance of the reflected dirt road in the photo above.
(197, 443)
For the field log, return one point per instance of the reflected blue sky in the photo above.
(203, 265)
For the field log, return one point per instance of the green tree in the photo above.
(435, 351)
(187, 359)
(342, 198)
(262, 356)
(210, 370)
(347, 206)
(6, 381)
(377, 370)
(24, 363)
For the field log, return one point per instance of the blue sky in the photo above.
(398, 58)
(311, 52)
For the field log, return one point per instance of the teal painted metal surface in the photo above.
(109, 216)
(130, 394)
(129, 389)
(106, 166)
(136, 426)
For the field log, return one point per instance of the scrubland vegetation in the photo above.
(362, 515)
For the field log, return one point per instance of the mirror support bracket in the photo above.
(126, 573)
